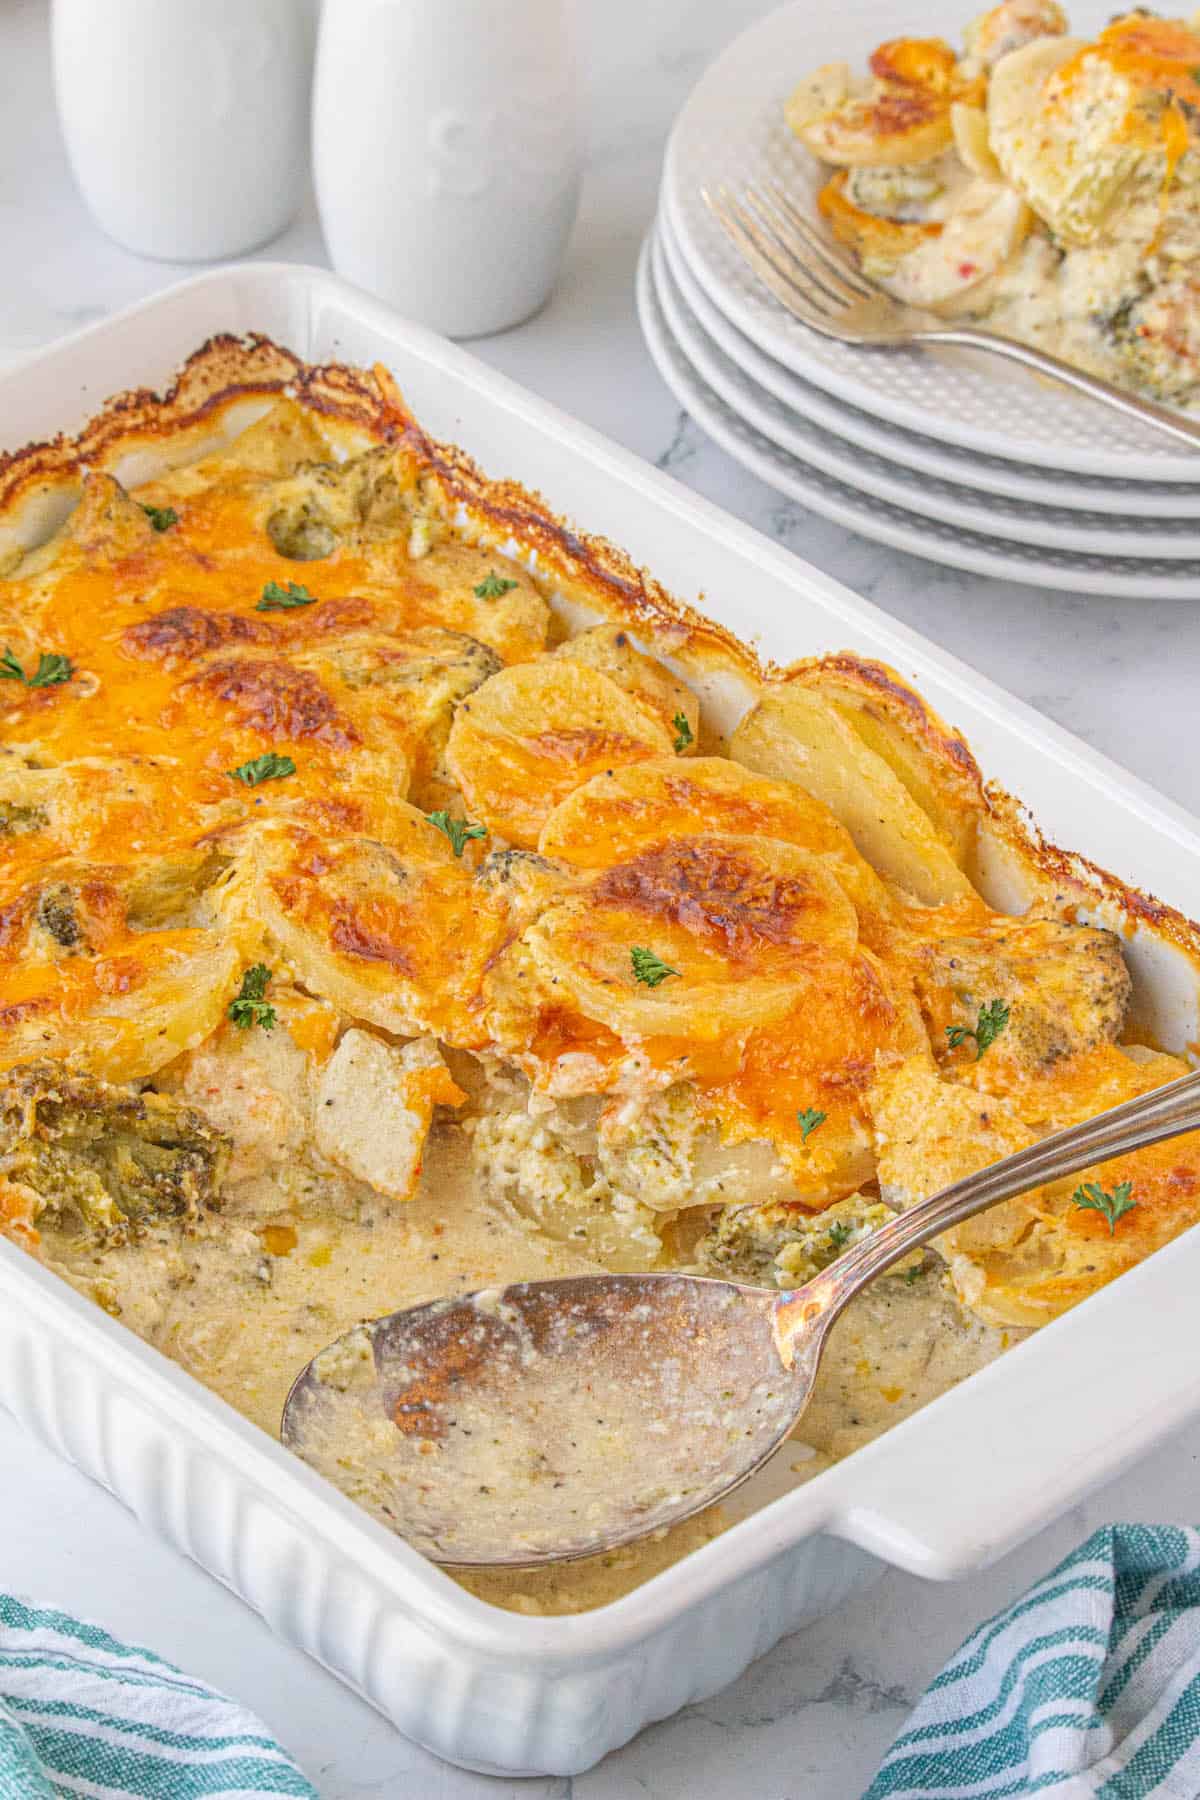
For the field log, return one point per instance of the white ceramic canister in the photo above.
(446, 154)
(186, 121)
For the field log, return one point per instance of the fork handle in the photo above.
(1166, 418)
(1164, 1112)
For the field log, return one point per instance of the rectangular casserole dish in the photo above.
(942, 1494)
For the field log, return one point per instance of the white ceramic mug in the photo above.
(186, 121)
(446, 154)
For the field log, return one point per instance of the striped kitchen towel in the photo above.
(81, 1714)
(1088, 1685)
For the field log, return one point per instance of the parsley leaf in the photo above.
(493, 585)
(808, 1120)
(683, 732)
(840, 1233)
(282, 599)
(987, 1028)
(51, 670)
(267, 767)
(161, 517)
(249, 1007)
(457, 830)
(648, 968)
(1091, 1197)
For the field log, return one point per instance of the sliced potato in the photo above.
(794, 734)
(614, 816)
(394, 935)
(893, 129)
(970, 127)
(818, 94)
(739, 924)
(929, 757)
(1010, 26)
(533, 733)
(612, 651)
(124, 1014)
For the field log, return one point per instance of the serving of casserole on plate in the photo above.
(402, 893)
(1043, 183)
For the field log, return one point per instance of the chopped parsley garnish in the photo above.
(1091, 1197)
(987, 1028)
(52, 668)
(267, 767)
(161, 517)
(808, 1120)
(648, 968)
(457, 830)
(840, 1234)
(493, 585)
(249, 1007)
(283, 599)
(683, 732)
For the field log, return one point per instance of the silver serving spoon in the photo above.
(556, 1419)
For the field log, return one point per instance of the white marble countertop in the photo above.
(812, 1718)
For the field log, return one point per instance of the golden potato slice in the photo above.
(395, 935)
(880, 244)
(970, 127)
(477, 591)
(533, 733)
(740, 925)
(124, 1013)
(817, 95)
(794, 734)
(1010, 26)
(670, 701)
(929, 757)
(613, 816)
(903, 119)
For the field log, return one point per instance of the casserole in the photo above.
(517, 1694)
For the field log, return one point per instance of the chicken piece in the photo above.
(374, 1105)
(116, 1158)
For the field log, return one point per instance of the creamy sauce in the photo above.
(244, 1300)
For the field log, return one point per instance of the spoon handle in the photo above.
(1164, 1112)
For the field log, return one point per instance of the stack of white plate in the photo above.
(953, 455)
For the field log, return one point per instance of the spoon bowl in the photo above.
(551, 1419)
(557, 1419)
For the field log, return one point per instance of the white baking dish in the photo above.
(941, 1494)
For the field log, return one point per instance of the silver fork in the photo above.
(821, 287)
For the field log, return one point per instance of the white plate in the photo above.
(732, 132)
(881, 519)
(1015, 521)
(945, 1492)
(945, 462)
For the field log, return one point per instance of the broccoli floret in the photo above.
(116, 1158)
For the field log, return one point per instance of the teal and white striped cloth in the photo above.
(81, 1714)
(1088, 1686)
